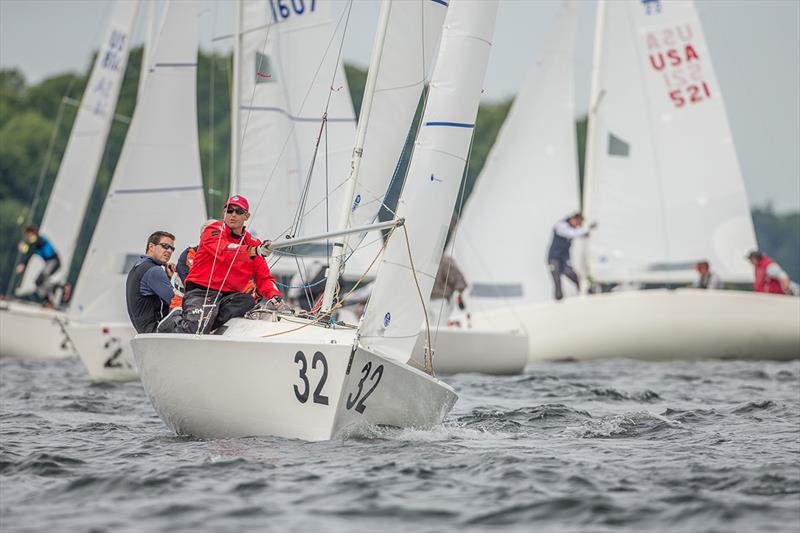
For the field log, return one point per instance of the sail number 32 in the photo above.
(283, 9)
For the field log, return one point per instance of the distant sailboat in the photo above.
(157, 185)
(664, 184)
(530, 180)
(28, 330)
(310, 379)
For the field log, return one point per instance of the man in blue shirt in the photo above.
(148, 291)
(35, 244)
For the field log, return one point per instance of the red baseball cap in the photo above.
(241, 201)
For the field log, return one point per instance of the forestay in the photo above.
(412, 37)
(395, 311)
(663, 180)
(84, 153)
(529, 181)
(290, 67)
(157, 184)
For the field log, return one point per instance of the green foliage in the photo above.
(28, 121)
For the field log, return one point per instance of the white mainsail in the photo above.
(662, 177)
(529, 181)
(290, 67)
(395, 311)
(84, 153)
(157, 184)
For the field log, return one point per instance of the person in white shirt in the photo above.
(706, 279)
(558, 256)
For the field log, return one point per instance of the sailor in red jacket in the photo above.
(769, 276)
(225, 261)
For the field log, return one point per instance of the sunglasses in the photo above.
(167, 246)
(238, 210)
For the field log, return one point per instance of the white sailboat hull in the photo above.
(662, 325)
(33, 332)
(295, 385)
(105, 350)
(484, 351)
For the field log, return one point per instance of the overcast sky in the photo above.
(755, 46)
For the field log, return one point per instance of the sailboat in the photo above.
(664, 184)
(279, 375)
(530, 180)
(28, 330)
(157, 185)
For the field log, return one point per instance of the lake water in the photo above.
(602, 446)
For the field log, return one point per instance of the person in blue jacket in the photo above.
(35, 244)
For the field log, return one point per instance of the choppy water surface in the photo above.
(607, 446)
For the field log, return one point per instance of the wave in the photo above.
(636, 424)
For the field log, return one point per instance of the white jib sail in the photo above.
(157, 184)
(290, 67)
(395, 311)
(663, 179)
(413, 33)
(84, 153)
(529, 182)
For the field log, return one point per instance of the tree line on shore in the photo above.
(29, 125)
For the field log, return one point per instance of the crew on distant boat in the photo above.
(706, 279)
(449, 281)
(35, 244)
(227, 258)
(148, 291)
(558, 257)
(769, 276)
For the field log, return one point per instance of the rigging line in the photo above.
(211, 107)
(235, 179)
(302, 273)
(455, 231)
(244, 132)
(300, 110)
(200, 324)
(429, 351)
(298, 216)
(327, 196)
(299, 213)
(301, 206)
